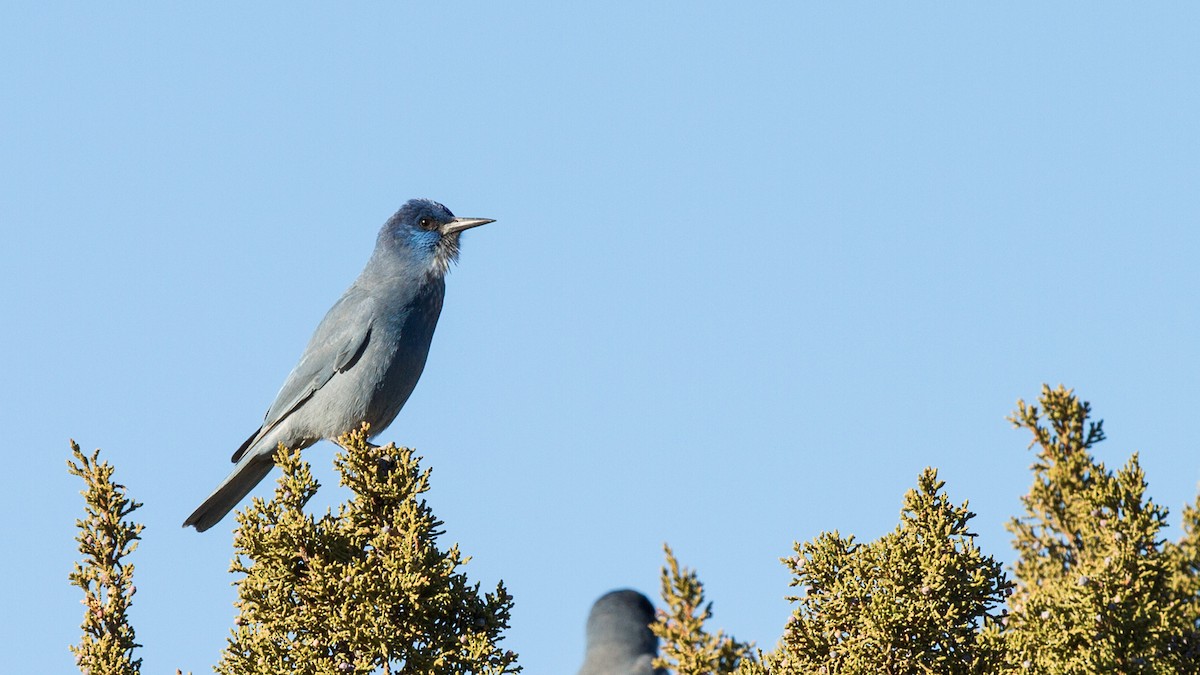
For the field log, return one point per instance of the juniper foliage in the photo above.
(366, 590)
(106, 538)
(912, 601)
(687, 648)
(1186, 558)
(1098, 588)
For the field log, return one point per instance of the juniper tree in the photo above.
(687, 648)
(1097, 586)
(106, 538)
(365, 590)
(368, 589)
(1186, 556)
(912, 601)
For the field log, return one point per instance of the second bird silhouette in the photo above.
(619, 639)
(366, 355)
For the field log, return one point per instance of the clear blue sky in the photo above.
(752, 270)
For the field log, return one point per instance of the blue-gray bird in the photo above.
(619, 640)
(366, 355)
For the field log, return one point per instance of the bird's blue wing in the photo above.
(335, 347)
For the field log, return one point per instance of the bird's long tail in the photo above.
(232, 490)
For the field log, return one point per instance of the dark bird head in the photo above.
(619, 639)
(425, 234)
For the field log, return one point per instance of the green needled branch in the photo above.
(105, 539)
(366, 590)
(687, 648)
(1098, 588)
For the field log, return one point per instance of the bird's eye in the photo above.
(426, 223)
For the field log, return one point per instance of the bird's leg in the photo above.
(367, 443)
(384, 467)
(384, 464)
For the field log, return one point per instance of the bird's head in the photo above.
(425, 233)
(620, 623)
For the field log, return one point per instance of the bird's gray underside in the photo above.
(335, 347)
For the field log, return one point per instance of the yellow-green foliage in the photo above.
(912, 601)
(105, 539)
(1098, 589)
(366, 590)
(687, 649)
(1186, 580)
